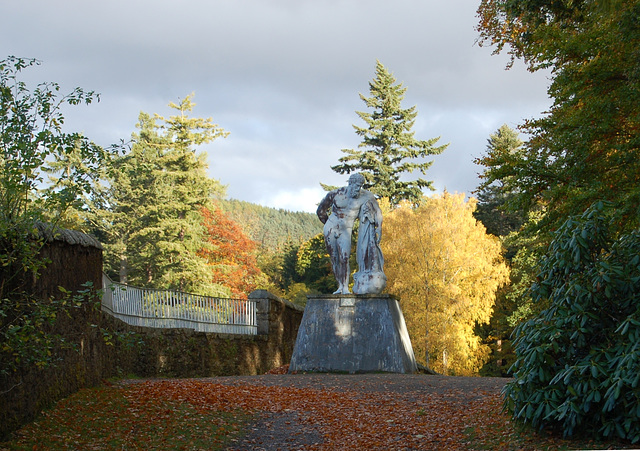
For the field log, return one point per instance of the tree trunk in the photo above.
(122, 273)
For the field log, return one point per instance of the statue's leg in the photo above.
(342, 275)
(341, 272)
(331, 243)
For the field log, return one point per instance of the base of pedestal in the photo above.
(353, 334)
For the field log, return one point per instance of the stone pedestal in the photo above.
(353, 334)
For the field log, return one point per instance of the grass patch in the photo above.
(109, 417)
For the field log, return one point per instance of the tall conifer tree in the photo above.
(497, 208)
(389, 149)
(159, 189)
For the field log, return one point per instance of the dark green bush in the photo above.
(578, 362)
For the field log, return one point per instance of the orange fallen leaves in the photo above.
(346, 420)
(339, 412)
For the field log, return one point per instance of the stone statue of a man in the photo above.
(338, 212)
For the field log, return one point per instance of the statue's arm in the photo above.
(378, 213)
(372, 212)
(325, 205)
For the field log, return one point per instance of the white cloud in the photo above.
(306, 199)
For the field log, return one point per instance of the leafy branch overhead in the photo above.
(585, 148)
(33, 143)
(389, 149)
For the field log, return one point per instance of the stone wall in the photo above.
(75, 258)
(94, 352)
(79, 357)
(186, 353)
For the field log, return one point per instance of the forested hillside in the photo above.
(272, 228)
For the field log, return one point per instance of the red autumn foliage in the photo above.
(280, 370)
(232, 253)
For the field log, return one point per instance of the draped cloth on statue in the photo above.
(370, 278)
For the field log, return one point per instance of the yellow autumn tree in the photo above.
(445, 271)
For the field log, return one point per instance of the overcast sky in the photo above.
(282, 76)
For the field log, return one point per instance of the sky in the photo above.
(284, 77)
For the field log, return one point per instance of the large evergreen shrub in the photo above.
(578, 361)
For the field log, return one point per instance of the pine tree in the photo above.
(130, 200)
(389, 149)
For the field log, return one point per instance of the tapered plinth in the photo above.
(354, 334)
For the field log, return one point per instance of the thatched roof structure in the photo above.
(53, 233)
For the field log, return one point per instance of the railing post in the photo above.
(262, 309)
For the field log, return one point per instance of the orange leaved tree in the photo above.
(230, 253)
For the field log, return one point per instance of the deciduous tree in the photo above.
(586, 147)
(446, 270)
(33, 141)
(230, 255)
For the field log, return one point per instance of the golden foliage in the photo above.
(445, 270)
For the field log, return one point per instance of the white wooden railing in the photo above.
(172, 309)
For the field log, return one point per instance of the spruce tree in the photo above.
(158, 192)
(389, 149)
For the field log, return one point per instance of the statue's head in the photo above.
(356, 179)
(355, 184)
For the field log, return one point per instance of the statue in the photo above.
(348, 204)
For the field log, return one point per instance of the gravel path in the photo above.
(283, 431)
